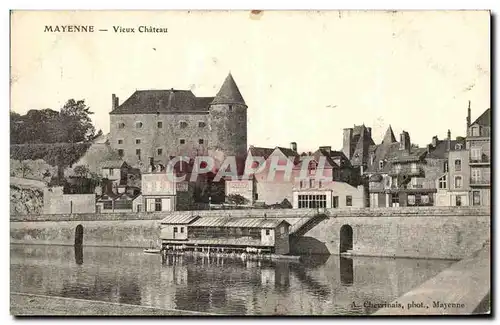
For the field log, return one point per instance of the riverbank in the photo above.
(24, 304)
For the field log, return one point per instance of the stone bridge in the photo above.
(423, 232)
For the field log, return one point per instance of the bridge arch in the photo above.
(346, 239)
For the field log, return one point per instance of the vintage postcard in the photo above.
(242, 163)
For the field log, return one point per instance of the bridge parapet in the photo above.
(270, 213)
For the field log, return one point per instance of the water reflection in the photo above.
(346, 271)
(318, 285)
(79, 254)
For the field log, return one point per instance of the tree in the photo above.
(71, 124)
(75, 117)
(24, 168)
(81, 171)
(237, 199)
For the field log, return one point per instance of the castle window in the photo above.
(183, 124)
(458, 165)
(159, 151)
(201, 124)
(159, 124)
(137, 141)
(182, 141)
(138, 125)
(120, 141)
(120, 152)
(121, 125)
(442, 182)
(200, 141)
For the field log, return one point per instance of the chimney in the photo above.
(326, 148)
(293, 146)
(347, 143)
(171, 98)
(429, 147)
(434, 141)
(152, 164)
(113, 102)
(404, 143)
(448, 141)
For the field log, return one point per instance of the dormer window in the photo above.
(458, 146)
(138, 125)
(121, 125)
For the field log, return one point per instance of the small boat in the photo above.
(152, 251)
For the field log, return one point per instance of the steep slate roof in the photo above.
(260, 152)
(484, 119)
(229, 93)
(162, 101)
(288, 152)
(389, 136)
(441, 152)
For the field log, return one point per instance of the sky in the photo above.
(304, 75)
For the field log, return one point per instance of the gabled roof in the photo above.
(229, 93)
(179, 218)
(162, 101)
(288, 152)
(113, 164)
(232, 222)
(402, 156)
(484, 119)
(260, 151)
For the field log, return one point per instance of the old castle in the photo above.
(159, 124)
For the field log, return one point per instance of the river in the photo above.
(320, 285)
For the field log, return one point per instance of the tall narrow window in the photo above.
(445, 166)
(120, 152)
(348, 201)
(476, 198)
(458, 165)
(458, 181)
(442, 182)
(312, 182)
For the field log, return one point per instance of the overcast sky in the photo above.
(304, 75)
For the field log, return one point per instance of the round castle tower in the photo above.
(228, 122)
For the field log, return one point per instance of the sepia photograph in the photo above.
(250, 163)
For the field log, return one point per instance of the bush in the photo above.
(54, 154)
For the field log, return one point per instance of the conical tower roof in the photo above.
(389, 136)
(229, 93)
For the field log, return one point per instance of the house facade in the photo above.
(478, 143)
